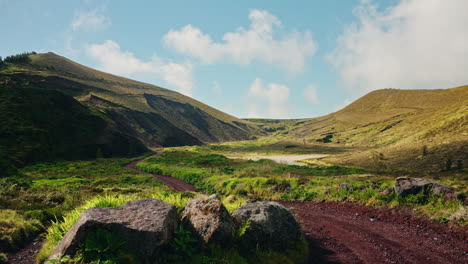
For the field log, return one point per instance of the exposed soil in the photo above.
(352, 233)
(26, 255)
(173, 183)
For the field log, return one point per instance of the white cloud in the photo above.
(415, 44)
(275, 95)
(244, 46)
(310, 93)
(112, 59)
(90, 21)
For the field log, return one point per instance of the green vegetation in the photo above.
(54, 109)
(15, 229)
(265, 146)
(267, 180)
(19, 58)
(40, 124)
(152, 115)
(43, 193)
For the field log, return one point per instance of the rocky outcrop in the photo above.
(406, 185)
(210, 219)
(267, 225)
(145, 224)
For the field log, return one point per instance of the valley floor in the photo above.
(351, 233)
(339, 232)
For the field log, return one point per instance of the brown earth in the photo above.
(27, 254)
(353, 233)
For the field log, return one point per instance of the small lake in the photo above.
(286, 159)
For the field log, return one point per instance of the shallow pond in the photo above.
(286, 159)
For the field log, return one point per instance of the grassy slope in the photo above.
(145, 98)
(38, 124)
(396, 125)
(60, 109)
(203, 123)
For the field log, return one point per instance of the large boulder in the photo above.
(145, 224)
(268, 225)
(406, 185)
(209, 219)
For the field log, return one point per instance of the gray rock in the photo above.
(269, 225)
(209, 219)
(146, 225)
(438, 188)
(405, 186)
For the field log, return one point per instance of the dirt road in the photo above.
(352, 233)
(171, 182)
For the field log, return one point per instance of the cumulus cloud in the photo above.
(244, 46)
(275, 95)
(112, 59)
(90, 21)
(310, 93)
(414, 44)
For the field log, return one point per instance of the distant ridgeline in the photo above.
(53, 108)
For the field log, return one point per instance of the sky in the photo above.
(269, 59)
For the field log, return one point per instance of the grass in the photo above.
(15, 229)
(269, 145)
(61, 191)
(267, 180)
(45, 192)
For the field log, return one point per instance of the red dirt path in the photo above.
(352, 233)
(171, 182)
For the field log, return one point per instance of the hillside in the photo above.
(411, 129)
(60, 104)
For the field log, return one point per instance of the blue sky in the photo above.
(275, 59)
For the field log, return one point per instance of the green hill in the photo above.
(411, 129)
(67, 110)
